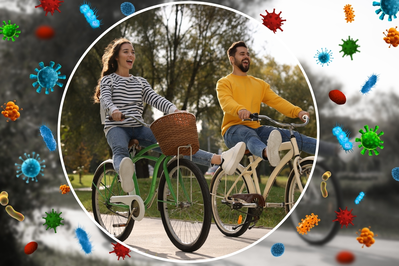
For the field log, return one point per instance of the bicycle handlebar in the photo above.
(257, 117)
(130, 116)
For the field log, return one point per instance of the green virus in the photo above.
(370, 140)
(53, 220)
(349, 47)
(9, 31)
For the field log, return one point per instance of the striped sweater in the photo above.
(128, 96)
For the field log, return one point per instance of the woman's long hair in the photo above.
(110, 65)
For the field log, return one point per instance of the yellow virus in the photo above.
(308, 223)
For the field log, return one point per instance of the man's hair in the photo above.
(233, 48)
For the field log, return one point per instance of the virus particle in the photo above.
(308, 223)
(90, 15)
(53, 220)
(84, 240)
(44, 32)
(9, 31)
(349, 47)
(11, 111)
(48, 138)
(323, 189)
(50, 5)
(395, 173)
(47, 77)
(14, 214)
(323, 57)
(4, 198)
(349, 13)
(120, 251)
(344, 217)
(272, 20)
(30, 248)
(31, 167)
(127, 8)
(392, 37)
(343, 138)
(345, 257)
(277, 249)
(366, 237)
(387, 7)
(326, 176)
(370, 83)
(370, 140)
(359, 197)
(337, 96)
(65, 189)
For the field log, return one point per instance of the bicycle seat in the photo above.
(133, 142)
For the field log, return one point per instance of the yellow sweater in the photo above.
(247, 92)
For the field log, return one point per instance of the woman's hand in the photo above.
(117, 115)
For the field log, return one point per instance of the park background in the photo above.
(308, 28)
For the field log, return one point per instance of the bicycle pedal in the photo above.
(119, 225)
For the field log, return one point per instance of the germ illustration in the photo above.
(308, 223)
(11, 111)
(343, 138)
(370, 83)
(50, 5)
(359, 197)
(277, 249)
(30, 247)
(395, 173)
(53, 220)
(65, 189)
(127, 8)
(9, 31)
(90, 15)
(392, 37)
(345, 257)
(337, 96)
(370, 140)
(31, 167)
(47, 77)
(366, 237)
(344, 217)
(349, 47)
(48, 137)
(44, 32)
(120, 251)
(349, 13)
(272, 20)
(323, 57)
(14, 214)
(84, 240)
(387, 7)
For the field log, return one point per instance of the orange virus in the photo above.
(344, 217)
(65, 189)
(392, 37)
(366, 237)
(11, 111)
(349, 13)
(308, 223)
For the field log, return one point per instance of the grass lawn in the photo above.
(269, 218)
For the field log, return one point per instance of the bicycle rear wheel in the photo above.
(112, 217)
(231, 222)
(313, 202)
(187, 220)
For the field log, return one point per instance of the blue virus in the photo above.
(387, 7)
(343, 138)
(47, 77)
(395, 173)
(278, 249)
(323, 57)
(359, 198)
(48, 137)
(370, 83)
(90, 15)
(84, 240)
(127, 8)
(31, 167)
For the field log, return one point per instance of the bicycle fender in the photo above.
(102, 164)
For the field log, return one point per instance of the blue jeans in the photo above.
(256, 139)
(118, 139)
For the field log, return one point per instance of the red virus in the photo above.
(344, 217)
(50, 5)
(345, 257)
(120, 251)
(44, 32)
(337, 96)
(30, 248)
(273, 21)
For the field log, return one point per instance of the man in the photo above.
(240, 95)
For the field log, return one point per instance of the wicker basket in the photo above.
(174, 130)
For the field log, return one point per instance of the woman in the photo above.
(127, 97)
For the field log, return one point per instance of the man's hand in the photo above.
(301, 114)
(243, 114)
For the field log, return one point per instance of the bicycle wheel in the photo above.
(111, 216)
(187, 220)
(313, 202)
(232, 222)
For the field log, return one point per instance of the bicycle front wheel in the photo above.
(112, 217)
(231, 221)
(313, 202)
(184, 203)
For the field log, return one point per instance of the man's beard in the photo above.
(240, 66)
